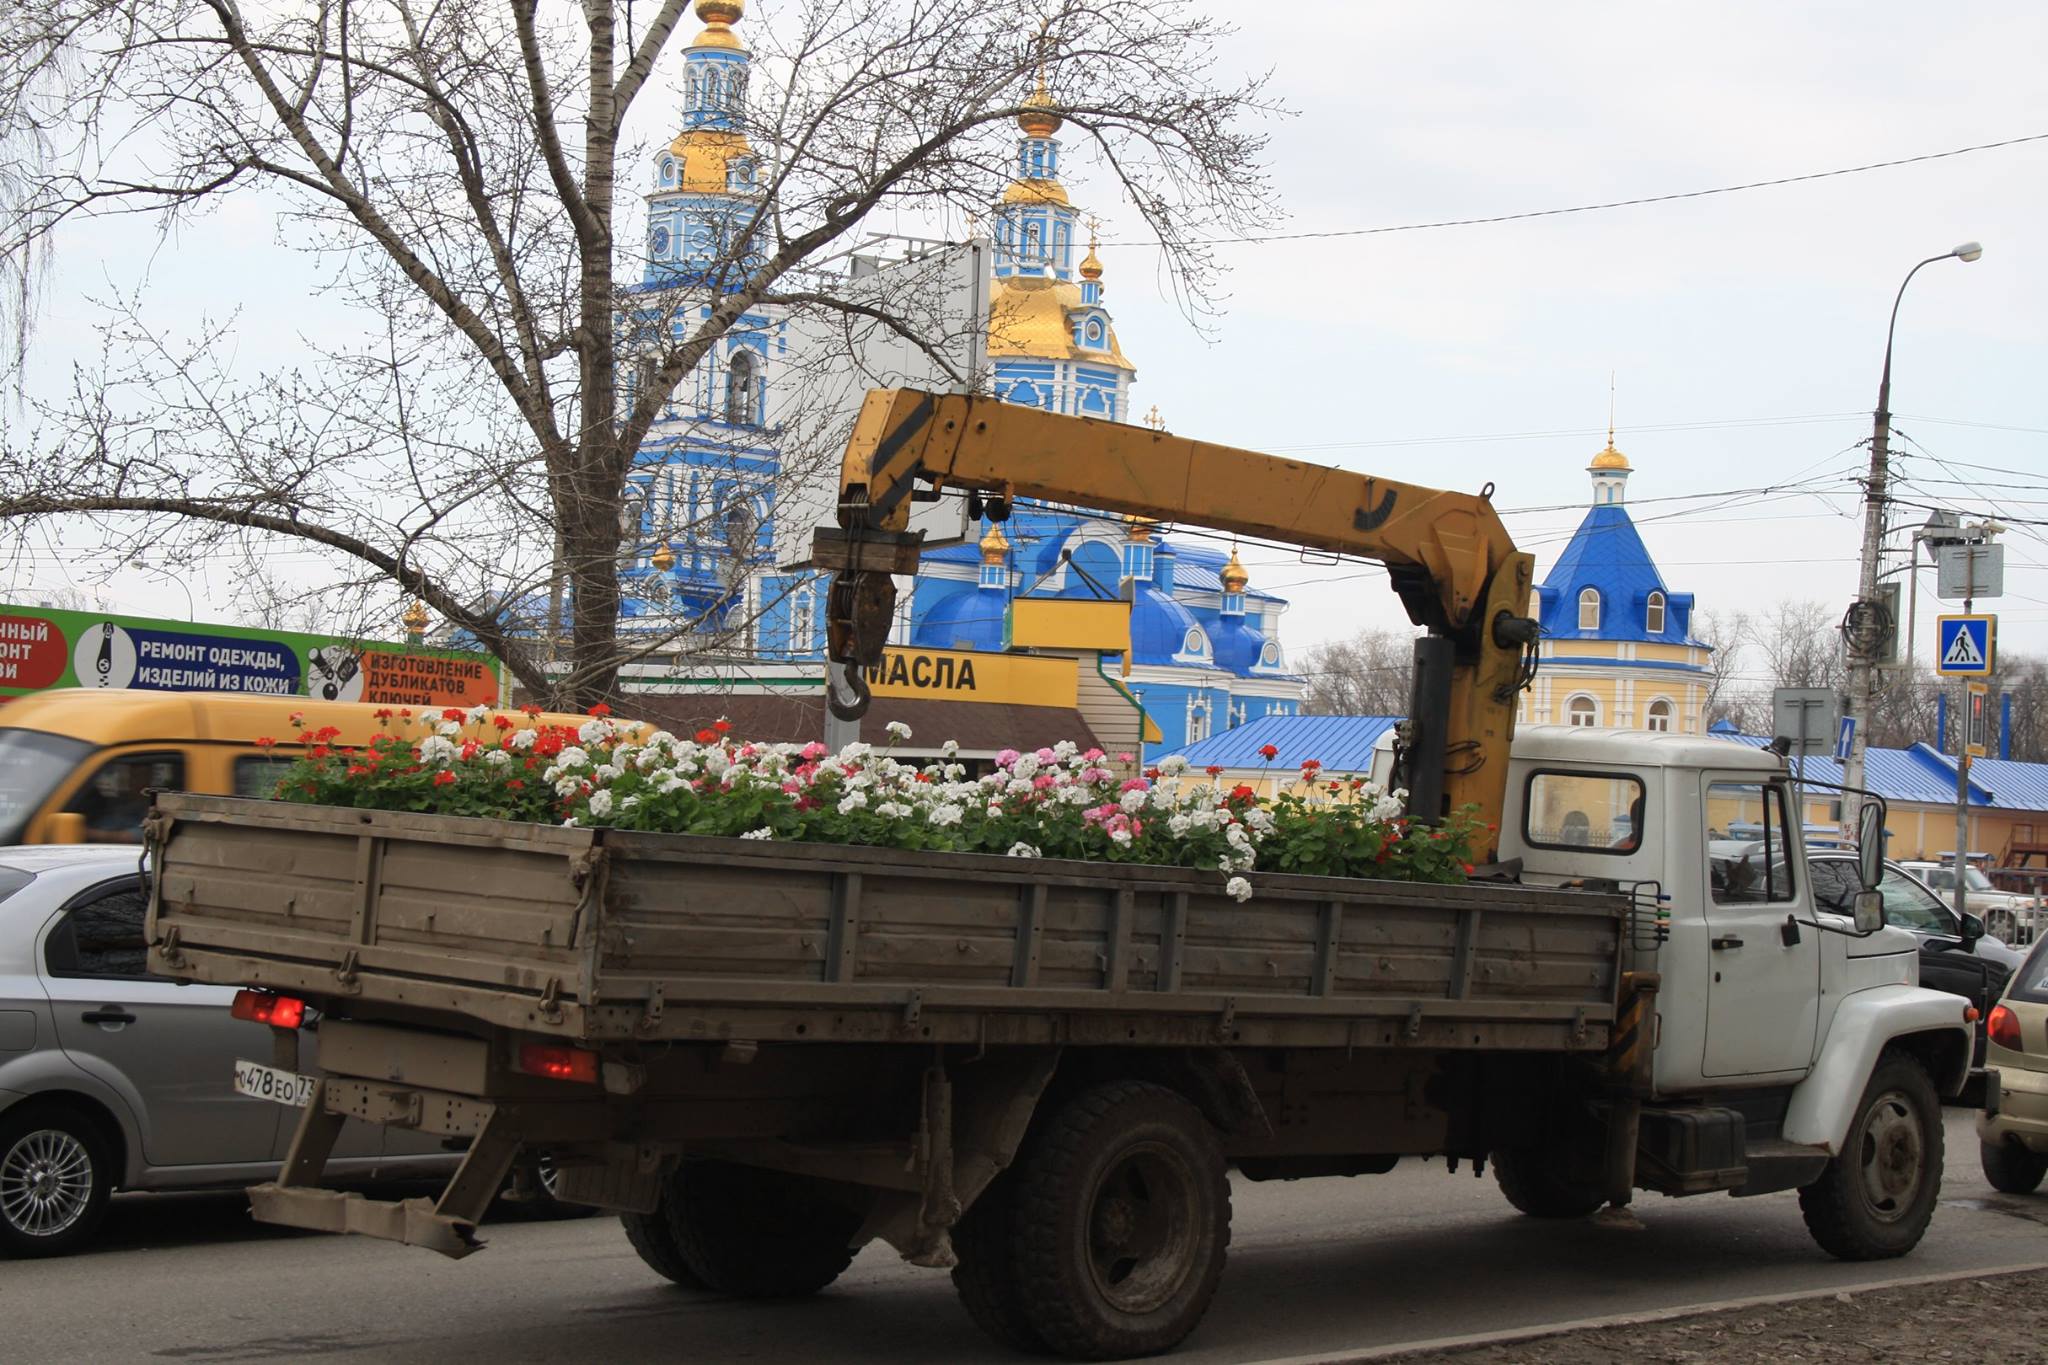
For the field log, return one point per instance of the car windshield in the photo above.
(2030, 982)
(31, 765)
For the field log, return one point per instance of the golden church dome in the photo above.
(1233, 574)
(1032, 191)
(1039, 118)
(1610, 458)
(1138, 528)
(1028, 317)
(719, 16)
(1091, 264)
(994, 545)
(702, 156)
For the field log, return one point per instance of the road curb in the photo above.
(1510, 1335)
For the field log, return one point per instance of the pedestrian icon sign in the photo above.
(1965, 644)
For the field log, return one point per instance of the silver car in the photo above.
(114, 1079)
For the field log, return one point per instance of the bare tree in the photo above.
(454, 171)
(1731, 636)
(1367, 675)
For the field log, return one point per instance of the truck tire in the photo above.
(2012, 1168)
(1122, 1221)
(986, 1277)
(651, 1236)
(56, 1176)
(757, 1234)
(1874, 1200)
(1530, 1178)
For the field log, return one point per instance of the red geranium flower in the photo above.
(453, 713)
(600, 710)
(530, 709)
(1309, 765)
(1269, 751)
(503, 722)
(721, 726)
(707, 737)
(443, 778)
(264, 741)
(517, 784)
(1214, 770)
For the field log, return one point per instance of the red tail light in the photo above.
(261, 1007)
(2003, 1028)
(558, 1063)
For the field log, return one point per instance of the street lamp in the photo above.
(191, 610)
(1862, 630)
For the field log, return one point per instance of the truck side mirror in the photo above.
(1973, 929)
(1870, 843)
(1869, 911)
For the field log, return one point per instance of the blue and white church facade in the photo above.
(1205, 649)
(703, 499)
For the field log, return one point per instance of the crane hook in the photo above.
(855, 704)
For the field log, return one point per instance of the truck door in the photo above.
(1763, 994)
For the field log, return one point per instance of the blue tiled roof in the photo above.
(1925, 777)
(1342, 744)
(1607, 555)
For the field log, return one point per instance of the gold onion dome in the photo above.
(719, 16)
(1138, 528)
(1233, 575)
(1039, 118)
(994, 545)
(415, 617)
(1610, 458)
(663, 559)
(1091, 264)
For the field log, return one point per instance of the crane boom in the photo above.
(1450, 557)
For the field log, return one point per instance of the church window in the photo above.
(1195, 643)
(1095, 332)
(1200, 717)
(657, 242)
(1589, 609)
(668, 171)
(1659, 717)
(803, 614)
(1033, 243)
(742, 390)
(1582, 711)
(1653, 615)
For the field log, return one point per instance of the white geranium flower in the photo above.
(1133, 800)
(1020, 849)
(607, 772)
(600, 804)
(1178, 824)
(1173, 765)
(498, 758)
(569, 823)
(1019, 787)
(1120, 836)
(1065, 750)
(478, 714)
(855, 752)
(762, 833)
(950, 747)
(522, 739)
(948, 814)
(436, 751)
(852, 802)
(629, 803)
(448, 729)
(573, 757)
(892, 810)
(596, 730)
(1026, 766)
(567, 788)
(1238, 889)
(897, 730)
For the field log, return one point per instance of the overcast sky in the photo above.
(1745, 331)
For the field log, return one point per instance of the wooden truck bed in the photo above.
(604, 935)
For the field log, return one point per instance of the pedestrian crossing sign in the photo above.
(1965, 644)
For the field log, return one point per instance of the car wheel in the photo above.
(2011, 1168)
(55, 1179)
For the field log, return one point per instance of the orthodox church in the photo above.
(1618, 650)
(1205, 649)
(702, 493)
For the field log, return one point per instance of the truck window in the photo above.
(257, 775)
(1753, 863)
(1590, 812)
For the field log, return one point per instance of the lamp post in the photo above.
(191, 610)
(1862, 630)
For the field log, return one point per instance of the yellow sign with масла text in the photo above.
(963, 675)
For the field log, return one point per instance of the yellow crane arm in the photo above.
(1450, 558)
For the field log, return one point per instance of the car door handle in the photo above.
(108, 1014)
(1729, 942)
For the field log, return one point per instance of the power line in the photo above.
(1604, 205)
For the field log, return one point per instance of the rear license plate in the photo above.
(270, 1083)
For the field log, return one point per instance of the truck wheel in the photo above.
(1874, 1200)
(656, 1242)
(55, 1179)
(1122, 1221)
(1530, 1178)
(2012, 1168)
(986, 1277)
(758, 1234)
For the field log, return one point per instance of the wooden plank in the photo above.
(1116, 957)
(362, 926)
(1173, 937)
(1461, 954)
(1329, 935)
(1030, 935)
(843, 949)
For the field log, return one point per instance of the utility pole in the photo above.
(1864, 627)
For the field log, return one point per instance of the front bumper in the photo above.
(2017, 1107)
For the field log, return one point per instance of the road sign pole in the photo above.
(1963, 728)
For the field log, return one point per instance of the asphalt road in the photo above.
(1316, 1265)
